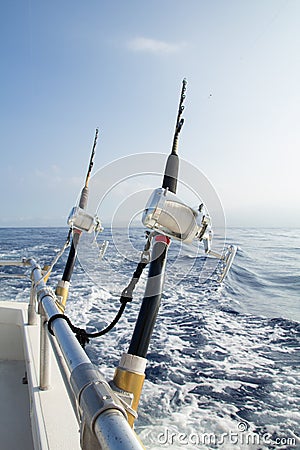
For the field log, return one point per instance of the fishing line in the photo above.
(56, 258)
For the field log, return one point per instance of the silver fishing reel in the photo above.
(167, 214)
(81, 220)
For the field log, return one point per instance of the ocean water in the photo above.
(223, 365)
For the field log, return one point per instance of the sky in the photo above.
(68, 67)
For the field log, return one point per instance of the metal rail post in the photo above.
(32, 315)
(45, 364)
(103, 417)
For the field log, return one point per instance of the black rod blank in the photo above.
(82, 204)
(172, 165)
(151, 302)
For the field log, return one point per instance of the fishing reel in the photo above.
(81, 220)
(167, 214)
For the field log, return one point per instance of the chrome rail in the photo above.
(15, 262)
(103, 418)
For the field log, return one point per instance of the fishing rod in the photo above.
(130, 374)
(168, 218)
(79, 221)
(151, 302)
(172, 165)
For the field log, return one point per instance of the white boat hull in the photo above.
(31, 418)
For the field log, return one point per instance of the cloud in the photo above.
(55, 178)
(143, 44)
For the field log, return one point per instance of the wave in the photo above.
(221, 355)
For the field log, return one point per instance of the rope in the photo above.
(81, 334)
(127, 294)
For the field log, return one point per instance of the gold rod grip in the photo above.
(129, 377)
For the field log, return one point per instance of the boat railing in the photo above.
(103, 418)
